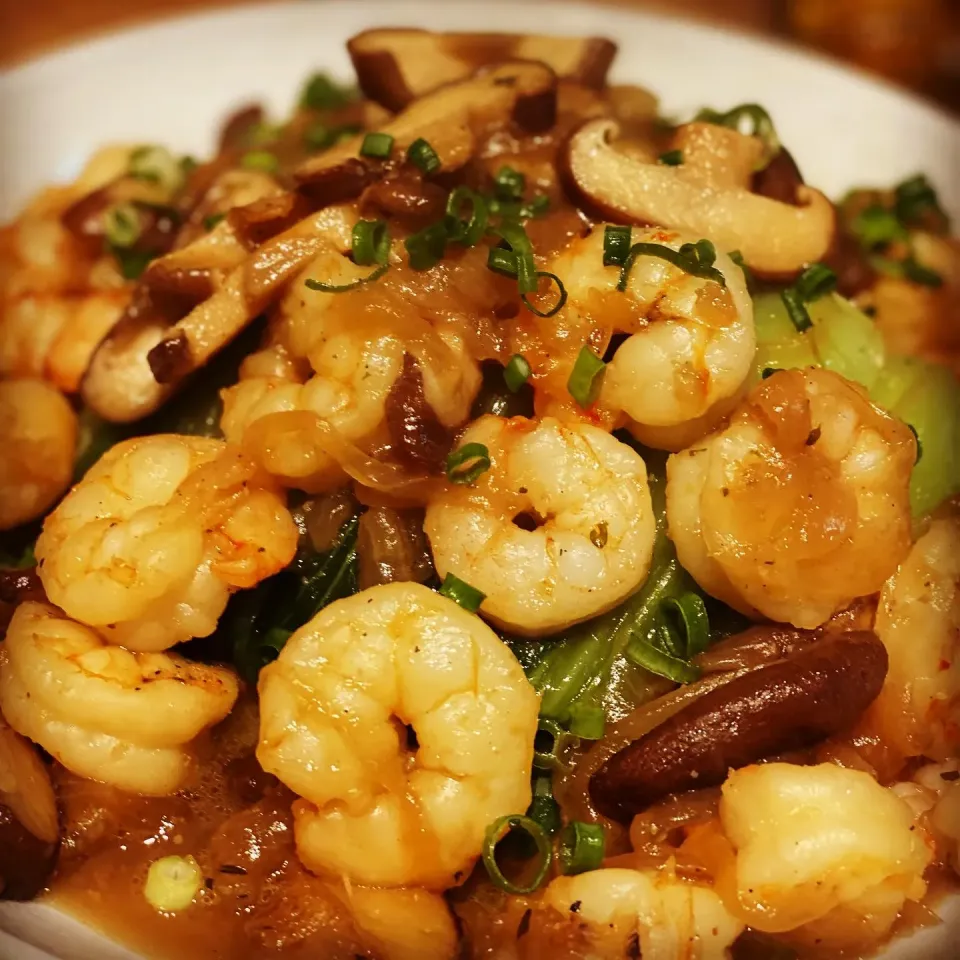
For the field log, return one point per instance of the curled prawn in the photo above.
(105, 713)
(149, 545)
(378, 806)
(800, 505)
(559, 529)
(690, 341)
(38, 433)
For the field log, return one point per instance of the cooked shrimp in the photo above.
(149, 545)
(335, 710)
(615, 912)
(105, 713)
(38, 434)
(25, 786)
(823, 852)
(585, 495)
(800, 505)
(935, 790)
(918, 620)
(356, 355)
(691, 341)
(405, 924)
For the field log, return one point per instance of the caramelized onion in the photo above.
(391, 547)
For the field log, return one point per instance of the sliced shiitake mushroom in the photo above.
(776, 239)
(816, 691)
(451, 119)
(29, 824)
(396, 65)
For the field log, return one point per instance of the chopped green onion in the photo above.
(212, 220)
(321, 93)
(586, 378)
(322, 287)
(262, 160)
(587, 721)
(551, 745)
(371, 242)
(543, 808)
(692, 612)
(796, 310)
(465, 465)
(461, 593)
(157, 165)
(496, 832)
(320, 136)
(672, 158)
(581, 847)
(916, 436)
(519, 243)
(737, 257)
(616, 245)
(561, 299)
(504, 261)
(768, 372)
(759, 124)
(121, 225)
(172, 883)
(536, 207)
(876, 227)
(509, 184)
(918, 273)
(914, 198)
(377, 145)
(264, 134)
(697, 259)
(426, 248)
(646, 655)
(816, 282)
(132, 263)
(516, 373)
(423, 156)
(470, 230)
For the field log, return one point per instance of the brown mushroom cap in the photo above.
(396, 65)
(792, 703)
(776, 239)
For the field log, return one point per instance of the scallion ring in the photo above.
(586, 378)
(692, 612)
(616, 245)
(322, 287)
(461, 593)
(121, 225)
(815, 282)
(561, 299)
(426, 248)
(467, 463)
(496, 832)
(370, 243)
(551, 745)
(516, 373)
(377, 146)
(516, 238)
(157, 165)
(543, 808)
(645, 654)
(697, 259)
(796, 309)
(581, 847)
(423, 156)
(916, 436)
(467, 231)
(509, 184)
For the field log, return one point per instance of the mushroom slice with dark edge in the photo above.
(145, 358)
(29, 825)
(792, 703)
(776, 239)
(396, 65)
(451, 119)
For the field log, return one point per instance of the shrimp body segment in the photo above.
(104, 712)
(558, 530)
(800, 505)
(149, 545)
(38, 434)
(823, 851)
(607, 910)
(336, 709)
(690, 341)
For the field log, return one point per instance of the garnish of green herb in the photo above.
(499, 830)
(423, 156)
(209, 222)
(697, 259)
(543, 808)
(461, 593)
(876, 226)
(672, 158)
(466, 230)
(616, 245)
(815, 282)
(581, 847)
(915, 201)
(558, 303)
(122, 225)
(509, 184)
(321, 136)
(321, 93)
(667, 651)
(516, 373)
(521, 265)
(916, 436)
(586, 378)
(552, 745)
(737, 257)
(370, 245)
(377, 146)
(425, 248)
(157, 165)
(750, 119)
(468, 463)
(262, 160)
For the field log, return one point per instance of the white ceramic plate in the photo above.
(173, 81)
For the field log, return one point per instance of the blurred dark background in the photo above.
(913, 42)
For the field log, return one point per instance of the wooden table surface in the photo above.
(30, 27)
